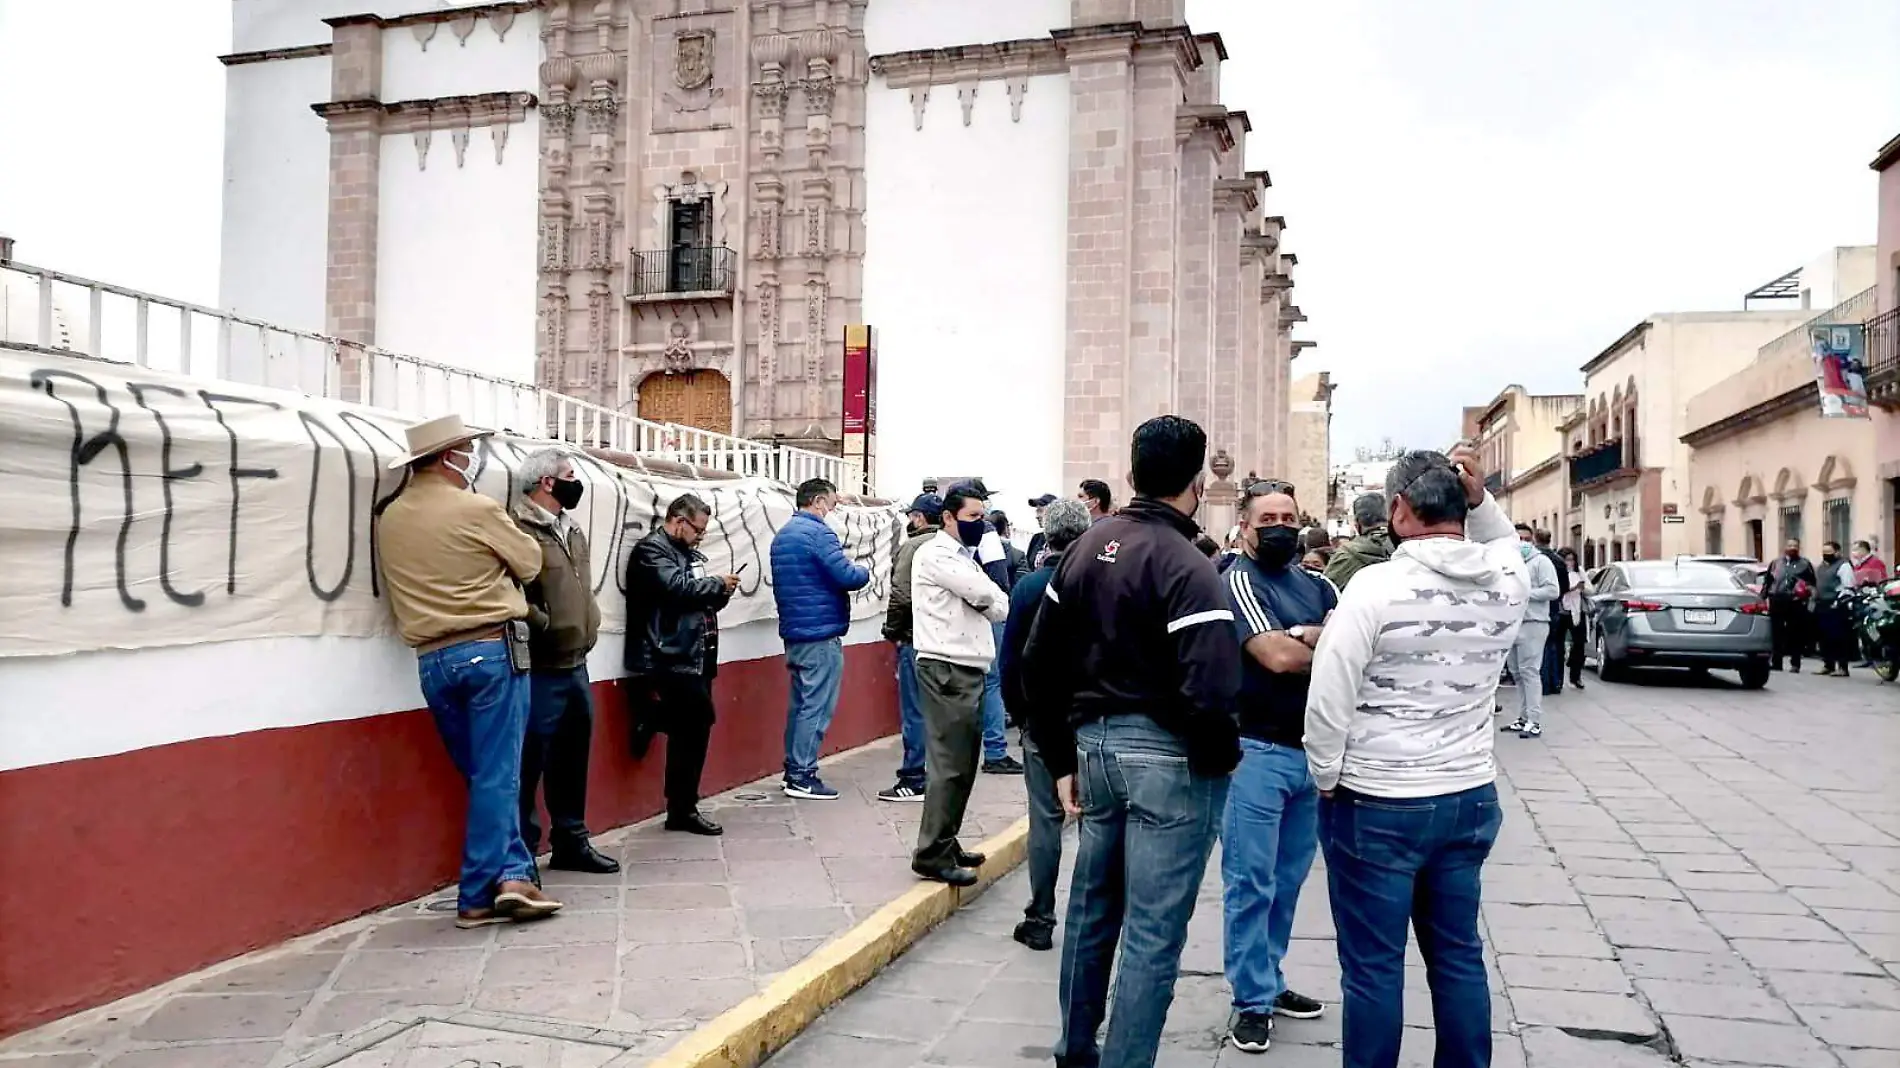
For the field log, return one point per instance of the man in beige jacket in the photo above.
(454, 563)
(953, 603)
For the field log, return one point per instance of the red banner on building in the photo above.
(860, 380)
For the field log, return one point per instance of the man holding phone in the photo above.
(673, 652)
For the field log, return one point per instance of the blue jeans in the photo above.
(1394, 861)
(1268, 839)
(1148, 824)
(817, 670)
(554, 757)
(910, 717)
(995, 741)
(1045, 835)
(480, 705)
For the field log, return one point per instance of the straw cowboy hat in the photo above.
(436, 435)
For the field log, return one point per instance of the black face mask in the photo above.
(567, 492)
(970, 531)
(1276, 547)
(1830, 557)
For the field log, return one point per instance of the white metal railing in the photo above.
(147, 330)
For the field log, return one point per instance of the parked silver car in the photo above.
(1682, 613)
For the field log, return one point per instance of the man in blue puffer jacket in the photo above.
(810, 581)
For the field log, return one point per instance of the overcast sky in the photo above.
(1479, 191)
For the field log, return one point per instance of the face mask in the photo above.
(1830, 557)
(970, 531)
(1793, 553)
(567, 492)
(1275, 547)
(465, 470)
(1526, 550)
(1857, 556)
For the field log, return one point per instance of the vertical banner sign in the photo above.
(1840, 371)
(860, 396)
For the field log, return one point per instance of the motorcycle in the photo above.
(1875, 615)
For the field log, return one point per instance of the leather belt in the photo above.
(490, 632)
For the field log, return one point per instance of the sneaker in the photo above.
(1003, 765)
(903, 791)
(1252, 1032)
(1297, 1006)
(1515, 725)
(812, 789)
(1036, 934)
(1531, 730)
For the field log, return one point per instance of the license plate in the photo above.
(1698, 615)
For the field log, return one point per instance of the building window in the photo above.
(1790, 523)
(688, 241)
(1757, 541)
(1712, 538)
(1616, 552)
(1837, 518)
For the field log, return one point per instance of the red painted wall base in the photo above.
(129, 870)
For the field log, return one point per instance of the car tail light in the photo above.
(1754, 608)
(1644, 606)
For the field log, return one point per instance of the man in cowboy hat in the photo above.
(454, 563)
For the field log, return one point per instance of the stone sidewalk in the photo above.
(691, 927)
(1687, 871)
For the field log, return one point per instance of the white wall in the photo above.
(258, 25)
(483, 63)
(455, 268)
(907, 25)
(63, 708)
(276, 191)
(965, 278)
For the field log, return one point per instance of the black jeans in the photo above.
(1788, 617)
(1575, 628)
(1837, 638)
(680, 707)
(554, 756)
(1553, 666)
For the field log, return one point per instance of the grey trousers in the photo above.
(952, 700)
(1045, 835)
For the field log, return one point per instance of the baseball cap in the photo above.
(928, 503)
(974, 486)
(1043, 501)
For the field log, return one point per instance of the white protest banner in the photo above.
(140, 508)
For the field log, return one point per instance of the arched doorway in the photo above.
(690, 398)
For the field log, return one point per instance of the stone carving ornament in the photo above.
(693, 71)
(678, 355)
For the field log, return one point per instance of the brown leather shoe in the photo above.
(522, 901)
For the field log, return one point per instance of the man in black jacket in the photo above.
(1131, 673)
(673, 652)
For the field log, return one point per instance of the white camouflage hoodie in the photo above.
(1407, 668)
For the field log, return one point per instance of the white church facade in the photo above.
(677, 208)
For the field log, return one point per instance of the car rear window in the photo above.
(1685, 576)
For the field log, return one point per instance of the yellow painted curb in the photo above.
(753, 1030)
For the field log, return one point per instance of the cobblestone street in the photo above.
(1685, 869)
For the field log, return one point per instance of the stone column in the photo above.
(1194, 325)
(354, 115)
(1101, 165)
(1155, 232)
(1231, 344)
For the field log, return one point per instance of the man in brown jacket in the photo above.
(563, 624)
(453, 563)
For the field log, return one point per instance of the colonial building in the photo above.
(1311, 415)
(1883, 341)
(1516, 433)
(1042, 209)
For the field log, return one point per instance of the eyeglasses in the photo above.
(1269, 485)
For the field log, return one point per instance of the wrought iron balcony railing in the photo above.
(1596, 464)
(679, 272)
(1883, 358)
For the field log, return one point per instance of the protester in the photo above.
(1371, 545)
(1552, 669)
(1399, 740)
(1270, 830)
(1869, 569)
(453, 562)
(1833, 627)
(672, 651)
(811, 583)
(1015, 561)
(1533, 638)
(1064, 522)
(1789, 589)
(1315, 561)
(1130, 667)
(1101, 503)
(1208, 546)
(993, 558)
(925, 519)
(1574, 607)
(1039, 541)
(953, 604)
(563, 624)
